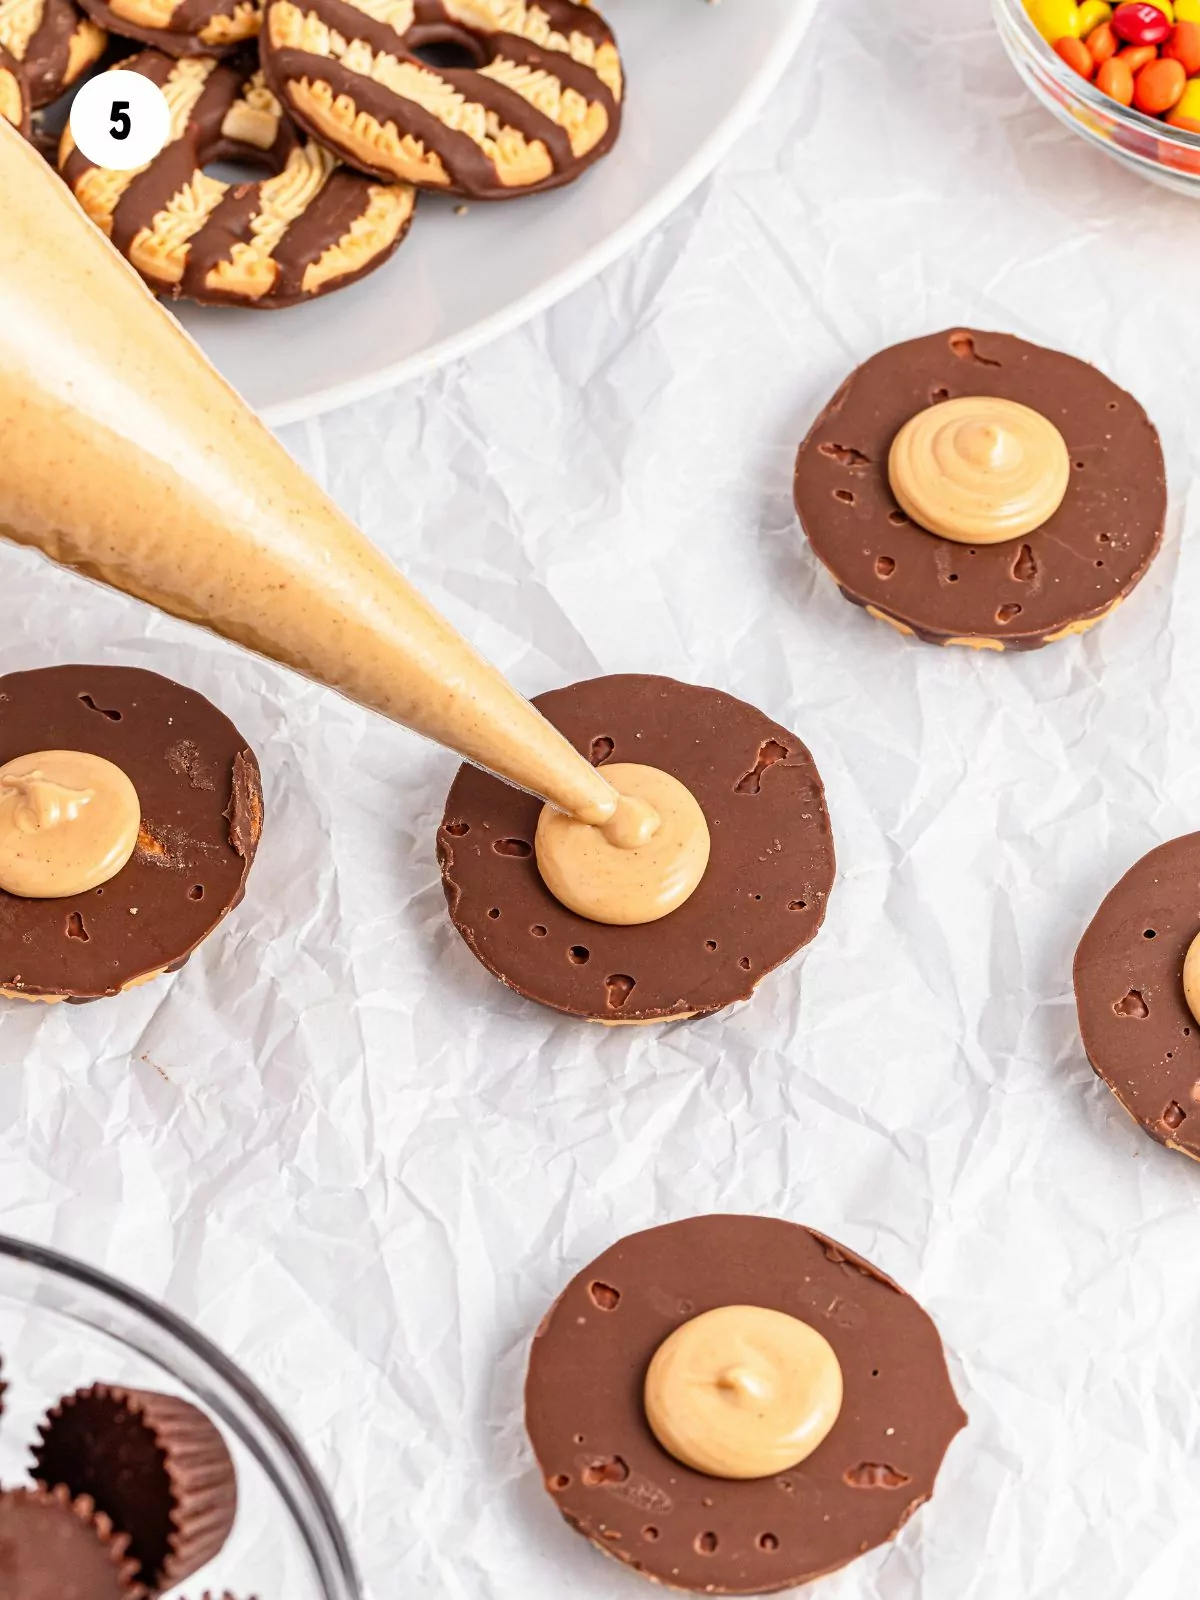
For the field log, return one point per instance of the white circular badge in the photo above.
(120, 120)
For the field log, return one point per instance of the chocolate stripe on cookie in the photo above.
(52, 43)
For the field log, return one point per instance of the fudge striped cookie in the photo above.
(52, 42)
(310, 226)
(14, 96)
(180, 27)
(540, 104)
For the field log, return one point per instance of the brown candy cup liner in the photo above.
(112, 1543)
(198, 1483)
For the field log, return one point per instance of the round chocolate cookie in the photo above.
(52, 1548)
(180, 27)
(614, 1482)
(14, 94)
(762, 898)
(52, 42)
(1019, 594)
(1138, 1031)
(310, 228)
(201, 803)
(153, 1464)
(539, 102)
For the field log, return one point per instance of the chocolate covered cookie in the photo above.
(1132, 981)
(984, 428)
(762, 898)
(52, 42)
(180, 27)
(154, 1465)
(680, 1322)
(539, 101)
(311, 227)
(100, 765)
(14, 95)
(53, 1548)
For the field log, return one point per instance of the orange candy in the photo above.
(1158, 86)
(1116, 80)
(1075, 53)
(1184, 46)
(1102, 44)
(1137, 56)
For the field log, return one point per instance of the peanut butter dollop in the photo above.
(979, 470)
(743, 1392)
(68, 823)
(637, 867)
(127, 457)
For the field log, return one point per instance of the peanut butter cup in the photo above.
(615, 1483)
(155, 1465)
(1131, 987)
(1014, 593)
(53, 1547)
(762, 897)
(201, 816)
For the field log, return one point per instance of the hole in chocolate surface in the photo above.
(884, 566)
(1099, 563)
(1007, 613)
(1149, 933)
(963, 346)
(936, 396)
(649, 1533)
(1079, 466)
(458, 828)
(874, 1372)
(76, 929)
(706, 1543)
(1104, 538)
(579, 954)
(579, 1438)
(844, 454)
(768, 1542)
(619, 986)
(758, 897)
(1112, 405)
(1024, 567)
(538, 930)
(520, 848)
(710, 945)
(196, 892)
(1131, 1005)
(874, 1475)
(113, 716)
(897, 518)
(559, 1482)
(604, 1296)
(604, 1469)
(846, 496)
(769, 752)
(952, 577)
(1173, 1115)
(602, 748)
(493, 912)
(797, 905)
(744, 963)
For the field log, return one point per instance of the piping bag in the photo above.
(127, 457)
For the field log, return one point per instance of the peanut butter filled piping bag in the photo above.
(128, 458)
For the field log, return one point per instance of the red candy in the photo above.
(1139, 23)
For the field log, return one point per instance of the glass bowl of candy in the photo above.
(66, 1328)
(1125, 76)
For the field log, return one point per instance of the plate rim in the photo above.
(643, 221)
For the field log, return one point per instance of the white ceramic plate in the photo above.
(697, 75)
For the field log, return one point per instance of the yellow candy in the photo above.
(1187, 10)
(1168, 10)
(1186, 110)
(1093, 12)
(1055, 19)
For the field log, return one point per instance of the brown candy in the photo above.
(1018, 594)
(154, 1464)
(56, 1548)
(762, 897)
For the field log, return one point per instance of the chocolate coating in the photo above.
(181, 38)
(615, 1484)
(1139, 1034)
(201, 800)
(46, 58)
(762, 898)
(1024, 592)
(51, 1549)
(155, 1465)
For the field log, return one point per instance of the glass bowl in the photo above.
(1166, 155)
(64, 1325)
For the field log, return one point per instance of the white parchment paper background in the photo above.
(364, 1168)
